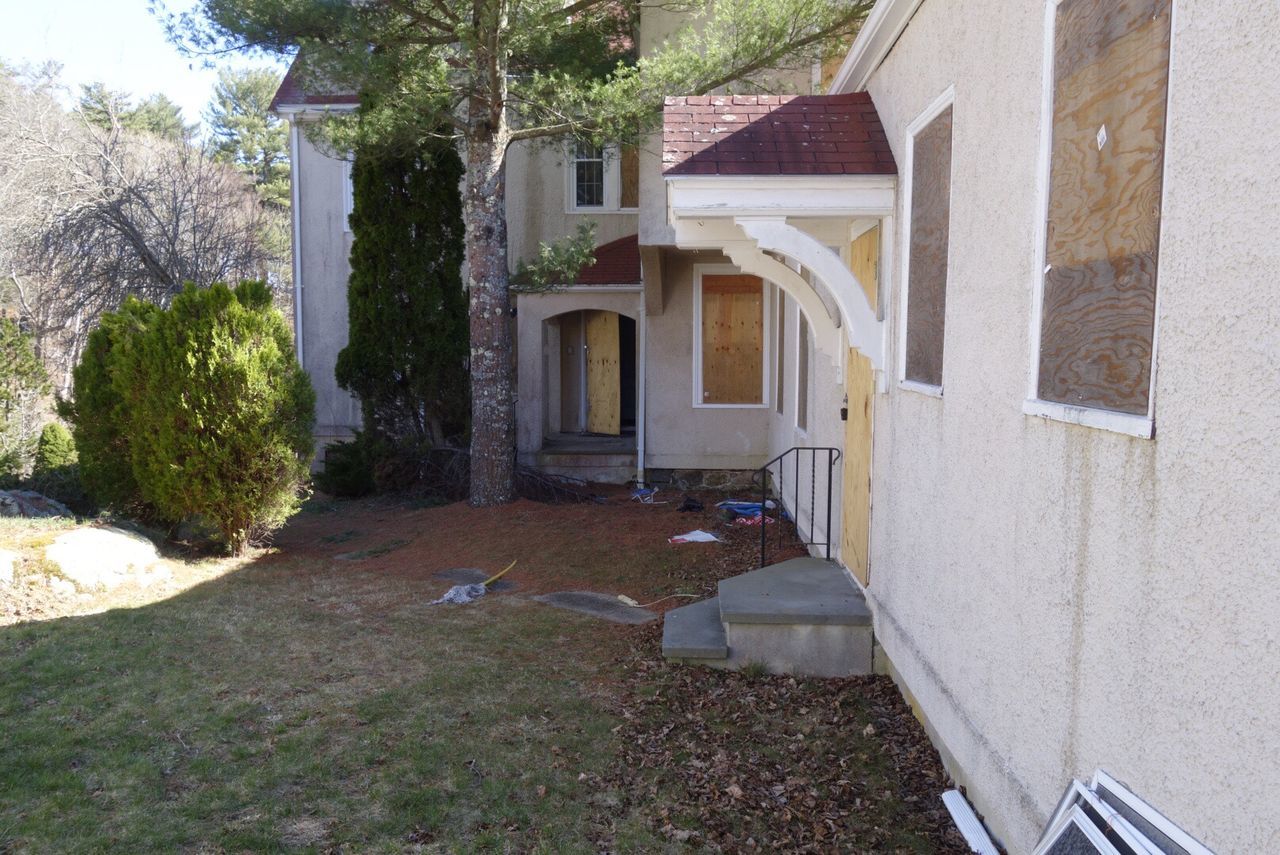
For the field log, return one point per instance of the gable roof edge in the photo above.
(879, 33)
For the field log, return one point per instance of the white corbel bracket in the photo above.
(864, 331)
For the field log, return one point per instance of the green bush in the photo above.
(97, 415)
(56, 448)
(23, 384)
(203, 404)
(348, 468)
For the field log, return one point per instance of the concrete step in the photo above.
(803, 617)
(695, 632)
(799, 591)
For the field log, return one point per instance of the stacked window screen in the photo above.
(779, 320)
(588, 176)
(732, 340)
(928, 248)
(802, 373)
(1110, 86)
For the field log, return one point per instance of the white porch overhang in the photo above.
(776, 226)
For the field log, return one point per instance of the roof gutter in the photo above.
(879, 33)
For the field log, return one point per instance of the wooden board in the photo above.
(1110, 90)
(629, 177)
(604, 379)
(930, 239)
(732, 339)
(855, 528)
(864, 261)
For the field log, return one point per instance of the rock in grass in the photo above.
(93, 558)
(28, 503)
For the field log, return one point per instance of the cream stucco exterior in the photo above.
(1060, 598)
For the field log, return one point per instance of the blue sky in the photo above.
(115, 41)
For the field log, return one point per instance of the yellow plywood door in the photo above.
(856, 526)
(864, 261)
(604, 373)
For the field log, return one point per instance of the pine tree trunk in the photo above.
(493, 415)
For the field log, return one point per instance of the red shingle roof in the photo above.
(774, 135)
(292, 94)
(617, 263)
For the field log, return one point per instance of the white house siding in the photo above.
(1060, 598)
(325, 253)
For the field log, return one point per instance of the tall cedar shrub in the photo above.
(23, 382)
(96, 412)
(208, 405)
(406, 357)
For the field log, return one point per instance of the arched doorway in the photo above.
(591, 373)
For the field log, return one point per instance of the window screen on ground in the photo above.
(930, 238)
(1110, 85)
(732, 339)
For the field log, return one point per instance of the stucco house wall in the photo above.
(323, 255)
(1060, 598)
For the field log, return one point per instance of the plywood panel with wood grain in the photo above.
(864, 261)
(1111, 76)
(629, 177)
(928, 252)
(604, 378)
(732, 339)
(855, 529)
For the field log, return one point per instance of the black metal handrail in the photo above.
(763, 473)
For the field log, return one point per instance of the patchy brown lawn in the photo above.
(309, 700)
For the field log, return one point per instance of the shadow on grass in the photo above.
(295, 705)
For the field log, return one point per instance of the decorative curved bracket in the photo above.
(865, 332)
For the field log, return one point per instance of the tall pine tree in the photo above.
(406, 356)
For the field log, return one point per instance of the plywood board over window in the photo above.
(1110, 87)
(732, 339)
(928, 250)
(629, 177)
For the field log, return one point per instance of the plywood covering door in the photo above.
(855, 529)
(604, 373)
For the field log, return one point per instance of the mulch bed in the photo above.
(740, 763)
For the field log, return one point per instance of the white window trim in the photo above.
(612, 183)
(935, 109)
(700, 270)
(1129, 424)
(348, 194)
(803, 430)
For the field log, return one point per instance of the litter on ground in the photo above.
(695, 536)
(460, 595)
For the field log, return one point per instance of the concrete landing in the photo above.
(603, 606)
(800, 591)
(803, 616)
(695, 632)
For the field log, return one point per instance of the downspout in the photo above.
(295, 195)
(642, 368)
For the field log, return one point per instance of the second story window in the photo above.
(588, 176)
(603, 178)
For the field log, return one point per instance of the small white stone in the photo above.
(9, 561)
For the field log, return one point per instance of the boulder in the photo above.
(95, 558)
(28, 503)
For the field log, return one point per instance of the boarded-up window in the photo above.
(779, 320)
(629, 177)
(930, 234)
(802, 373)
(732, 339)
(1110, 85)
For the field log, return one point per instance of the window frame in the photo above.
(1129, 424)
(936, 107)
(348, 192)
(612, 155)
(699, 271)
(803, 374)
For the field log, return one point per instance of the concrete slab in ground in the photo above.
(603, 606)
(474, 576)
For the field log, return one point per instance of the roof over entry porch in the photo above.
(783, 185)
